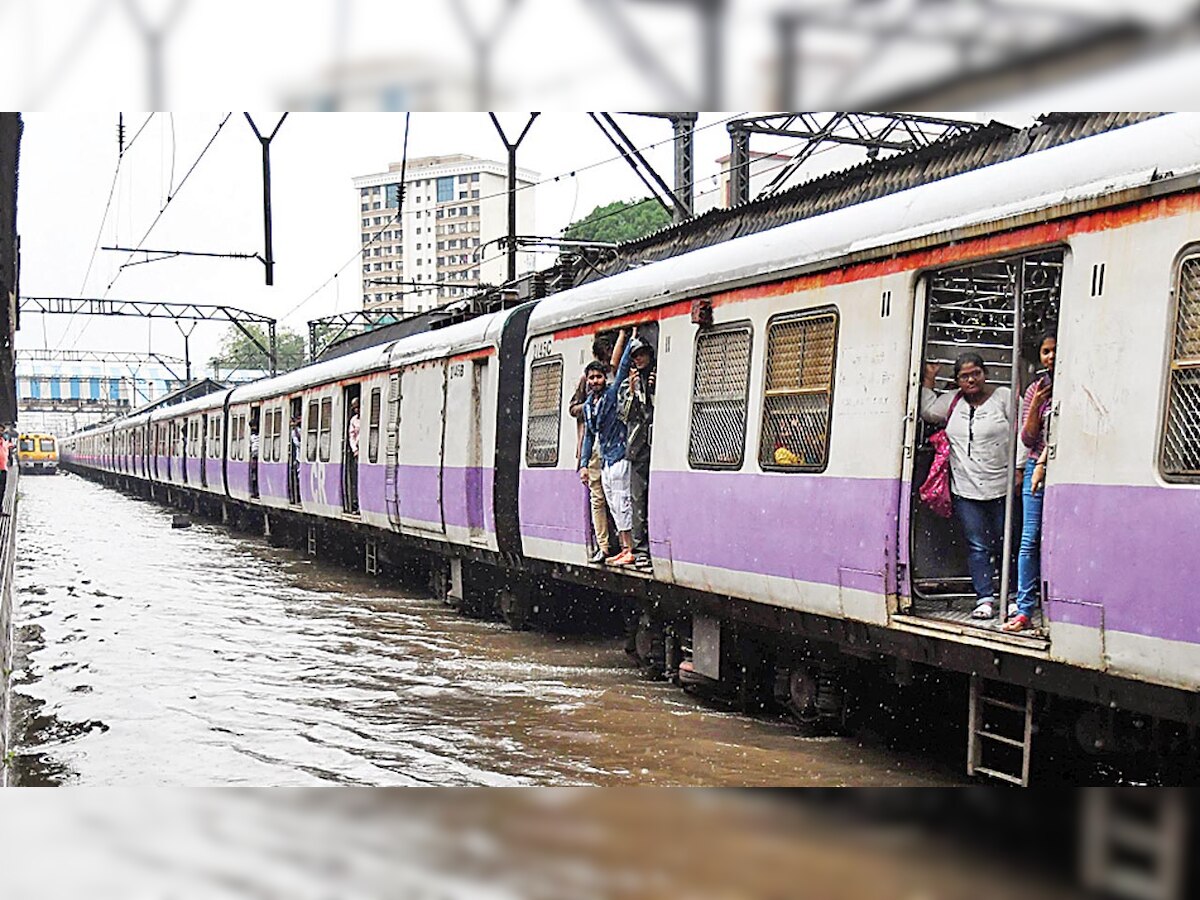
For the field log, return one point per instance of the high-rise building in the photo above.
(455, 207)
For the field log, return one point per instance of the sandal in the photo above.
(984, 610)
(1019, 622)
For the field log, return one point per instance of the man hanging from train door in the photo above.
(635, 406)
(602, 424)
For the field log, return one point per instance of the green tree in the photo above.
(625, 220)
(238, 351)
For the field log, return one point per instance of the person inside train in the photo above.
(635, 402)
(1035, 414)
(294, 459)
(352, 432)
(602, 424)
(602, 352)
(978, 422)
(254, 452)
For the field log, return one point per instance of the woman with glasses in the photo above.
(978, 422)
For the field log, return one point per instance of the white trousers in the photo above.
(615, 479)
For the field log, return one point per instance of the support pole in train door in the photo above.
(187, 356)
(511, 147)
(268, 248)
(1014, 383)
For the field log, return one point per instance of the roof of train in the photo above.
(1089, 167)
(459, 338)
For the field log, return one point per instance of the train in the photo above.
(37, 453)
(791, 572)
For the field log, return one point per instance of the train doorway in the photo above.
(295, 411)
(474, 473)
(202, 448)
(255, 424)
(185, 433)
(995, 309)
(351, 430)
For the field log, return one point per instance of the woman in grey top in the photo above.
(979, 430)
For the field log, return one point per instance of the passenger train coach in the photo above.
(797, 568)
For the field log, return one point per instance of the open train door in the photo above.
(995, 308)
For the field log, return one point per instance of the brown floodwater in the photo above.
(148, 655)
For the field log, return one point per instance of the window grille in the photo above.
(326, 429)
(720, 385)
(373, 427)
(798, 392)
(310, 447)
(545, 406)
(1181, 438)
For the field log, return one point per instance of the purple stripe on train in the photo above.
(554, 506)
(805, 527)
(465, 494)
(1141, 561)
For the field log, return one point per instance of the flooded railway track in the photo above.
(152, 655)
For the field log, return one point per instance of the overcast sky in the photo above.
(67, 168)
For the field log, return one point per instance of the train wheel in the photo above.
(516, 608)
(815, 696)
(648, 645)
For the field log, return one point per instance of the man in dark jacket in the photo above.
(635, 404)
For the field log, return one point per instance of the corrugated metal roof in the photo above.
(869, 180)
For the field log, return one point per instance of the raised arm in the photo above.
(935, 407)
(623, 365)
(1031, 419)
(619, 348)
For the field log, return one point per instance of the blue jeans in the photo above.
(983, 525)
(1029, 557)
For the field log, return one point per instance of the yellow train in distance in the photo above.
(37, 453)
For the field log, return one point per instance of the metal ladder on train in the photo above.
(1134, 843)
(1005, 725)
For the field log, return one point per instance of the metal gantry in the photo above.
(678, 201)
(159, 309)
(328, 330)
(875, 132)
(121, 357)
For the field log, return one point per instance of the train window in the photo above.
(325, 434)
(719, 392)
(798, 392)
(1181, 434)
(279, 439)
(373, 427)
(545, 407)
(310, 447)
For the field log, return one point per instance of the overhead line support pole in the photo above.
(268, 248)
(511, 147)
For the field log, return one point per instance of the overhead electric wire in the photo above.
(571, 173)
(358, 251)
(170, 197)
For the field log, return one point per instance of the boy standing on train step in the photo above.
(601, 423)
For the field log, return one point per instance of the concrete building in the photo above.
(60, 397)
(455, 207)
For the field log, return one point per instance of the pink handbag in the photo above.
(935, 492)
